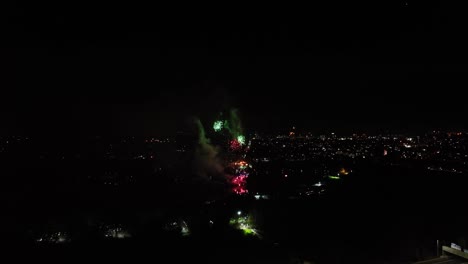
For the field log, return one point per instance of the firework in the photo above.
(241, 165)
(240, 190)
(240, 180)
(241, 139)
(235, 145)
(218, 125)
(240, 183)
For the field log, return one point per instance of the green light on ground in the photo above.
(334, 177)
(244, 224)
(249, 231)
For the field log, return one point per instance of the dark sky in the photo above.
(136, 69)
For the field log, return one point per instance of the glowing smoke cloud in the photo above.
(207, 162)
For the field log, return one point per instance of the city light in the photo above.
(179, 226)
(54, 238)
(116, 232)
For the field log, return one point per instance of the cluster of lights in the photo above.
(57, 237)
(244, 223)
(178, 226)
(117, 232)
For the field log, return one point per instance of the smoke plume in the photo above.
(234, 125)
(207, 161)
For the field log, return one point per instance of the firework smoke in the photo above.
(234, 125)
(207, 161)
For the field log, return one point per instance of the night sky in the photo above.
(134, 69)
